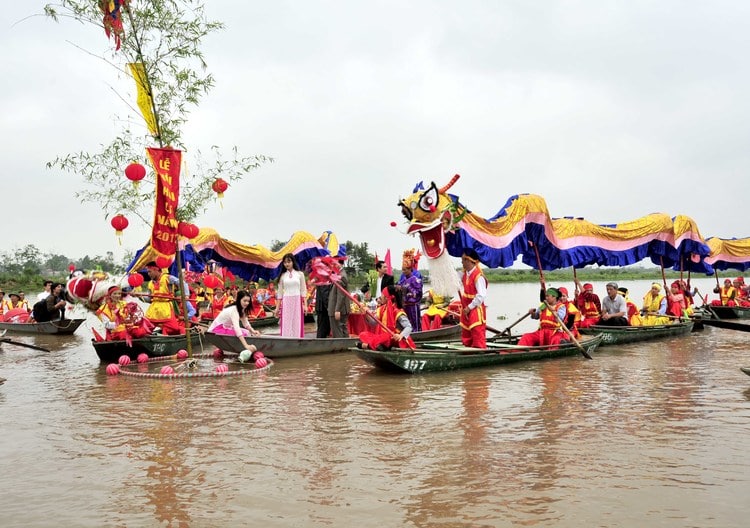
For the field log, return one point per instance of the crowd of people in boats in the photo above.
(390, 318)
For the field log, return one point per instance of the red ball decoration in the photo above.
(188, 230)
(135, 280)
(119, 222)
(163, 262)
(135, 172)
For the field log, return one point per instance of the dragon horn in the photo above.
(450, 183)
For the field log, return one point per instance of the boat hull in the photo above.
(620, 335)
(63, 327)
(730, 312)
(439, 357)
(152, 346)
(275, 346)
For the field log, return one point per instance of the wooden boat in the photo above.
(61, 327)
(276, 346)
(746, 370)
(730, 325)
(618, 335)
(436, 357)
(152, 346)
(729, 312)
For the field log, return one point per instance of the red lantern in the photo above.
(119, 223)
(188, 230)
(212, 281)
(219, 186)
(135, 172)
(163, 262)
(135, 279)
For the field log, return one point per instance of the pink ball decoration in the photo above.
(124, 360)
(113, 369)
(222, 368)
(218, 353)
(182, 354)
(142, 358)
(166, 369)
(261, 362)
(393, 224)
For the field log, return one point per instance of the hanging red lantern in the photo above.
(119, 223)
(163, 262)
(135, 279)
(219, 186)
(212, 281)
(135, 172)
(188, 230)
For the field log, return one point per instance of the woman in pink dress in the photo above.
(291, 298)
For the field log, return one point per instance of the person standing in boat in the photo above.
(290, 298)
(654, 307)
(614, 308)
(233, 320)
(473, 310)
(384, 278)
(391, 314)
(323, 322)
(549, 313)
(339, 305)
(162, 312)
(411, 289)
(47, 290)
(588, 303)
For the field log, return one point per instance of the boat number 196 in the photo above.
(414, 365)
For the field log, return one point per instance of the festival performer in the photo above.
(339, 305)
(220, 301)
(411, 289)
(3, 300)
(614, 308)
(118, 318)
(290, 308)
(634, 314)
(390, 312)
(473, 310)
(233, 320)
(654, 307)
(161, 311)
(727, 295)
(588, 303)
(573, 314)
(677, 303)
(432, 318)
(742, 298)
(550, 332)
(24, 301)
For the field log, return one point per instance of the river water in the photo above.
(653, 434)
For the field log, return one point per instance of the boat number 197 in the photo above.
(414, 365)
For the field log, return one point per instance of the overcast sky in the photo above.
(609, 110)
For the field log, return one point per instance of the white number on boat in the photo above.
(414, 365)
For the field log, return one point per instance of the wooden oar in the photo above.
(557, 315)
(584, 352)
(507, 330)
(18, 343)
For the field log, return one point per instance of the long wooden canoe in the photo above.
(61, 327)
(436, 357)
(276, 346)
(618, 335)
(731, 325)
(152, 346)
(730, 312)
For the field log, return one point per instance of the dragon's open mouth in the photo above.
(432, 236)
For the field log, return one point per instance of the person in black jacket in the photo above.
(384, 279)
(52, 308)
(322, 291)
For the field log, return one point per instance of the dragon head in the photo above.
(432, 213)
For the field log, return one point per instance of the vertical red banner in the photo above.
(166, 162)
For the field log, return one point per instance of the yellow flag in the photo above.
(144, 97)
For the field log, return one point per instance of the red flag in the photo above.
(388, 267)
(166, 162)
(97, 336)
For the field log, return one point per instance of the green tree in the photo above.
(164, 36)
